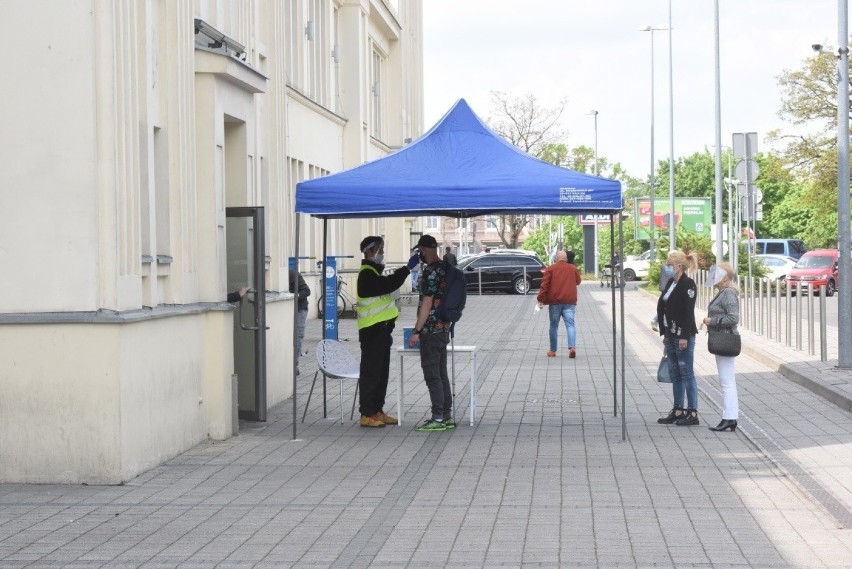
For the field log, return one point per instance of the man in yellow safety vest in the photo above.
(377, 313)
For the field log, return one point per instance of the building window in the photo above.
(431, 222)
(376, 95)
(319, 46)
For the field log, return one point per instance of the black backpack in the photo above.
(455, 296)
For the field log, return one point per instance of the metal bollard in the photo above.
(769, 309)
(479, 270)
(788, 308)
(527, 285)
(823, 340)
(760, 305)
(778, 312)
(811, 319)
(798, 315)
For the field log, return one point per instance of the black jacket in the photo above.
(679, 309)
(304, 290)
(371, 284)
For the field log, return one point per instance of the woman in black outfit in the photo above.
(676, 315)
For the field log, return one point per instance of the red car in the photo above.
(817, 267)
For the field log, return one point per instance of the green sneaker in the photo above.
(449, 424)
(431, 426)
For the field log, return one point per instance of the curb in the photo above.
(825, 391)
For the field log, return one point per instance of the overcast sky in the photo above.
(592, 53)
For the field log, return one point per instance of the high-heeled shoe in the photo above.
(725, 424)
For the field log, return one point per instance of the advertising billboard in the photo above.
(692, 214)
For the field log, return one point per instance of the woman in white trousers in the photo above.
(723, 313)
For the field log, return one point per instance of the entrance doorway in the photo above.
(246, 255)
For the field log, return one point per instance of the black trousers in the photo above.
(376, 343)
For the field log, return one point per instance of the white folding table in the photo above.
(405, 351)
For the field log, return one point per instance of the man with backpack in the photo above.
(432, 330)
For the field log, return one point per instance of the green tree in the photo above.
(545, 237)
(809, 105)
(695, 175)
(556, 154)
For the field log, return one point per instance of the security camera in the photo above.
(817, 47)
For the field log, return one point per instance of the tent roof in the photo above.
(460, 168)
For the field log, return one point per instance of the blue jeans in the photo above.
(565, 312)
(682, 371)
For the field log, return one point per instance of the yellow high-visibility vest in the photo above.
(374, 309)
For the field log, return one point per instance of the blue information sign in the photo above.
(330, 308)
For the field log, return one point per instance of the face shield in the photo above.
(715, 275)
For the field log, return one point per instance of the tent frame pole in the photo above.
(614, 280)
(621, 278)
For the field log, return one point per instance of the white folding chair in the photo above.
(334, 361)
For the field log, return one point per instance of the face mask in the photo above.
(668, 271)
(422, 257)
(378, 258)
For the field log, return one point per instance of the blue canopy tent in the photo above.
(460, 168)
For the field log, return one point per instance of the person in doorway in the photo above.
(433, 335)
(449, 258)
(237, 295)
(415, 274)
(302, 291)
(615, 267)
(723, 313)
(377, 313)
(558, 291)
(676, 318)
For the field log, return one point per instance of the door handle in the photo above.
(243, 326)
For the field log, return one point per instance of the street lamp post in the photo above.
(844, 304)
(595, 114)
(844, 231)
(651, 185)
(671, 141)
(719, 238)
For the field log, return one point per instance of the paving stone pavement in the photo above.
(543, 479)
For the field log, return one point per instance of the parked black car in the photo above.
(502, 272)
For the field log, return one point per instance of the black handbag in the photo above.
(723, 343)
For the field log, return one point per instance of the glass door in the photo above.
(244, 232)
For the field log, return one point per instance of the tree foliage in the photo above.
(809, 105)
(535, 129)
(545, 237)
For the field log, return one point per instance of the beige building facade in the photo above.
(136, 133)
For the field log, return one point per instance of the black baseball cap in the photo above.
(427, 241)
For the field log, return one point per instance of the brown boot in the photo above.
(371, 421)
(387, 419)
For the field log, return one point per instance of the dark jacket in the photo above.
(304, 290)
(679, 309)
(371, 284)
(450, 259)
